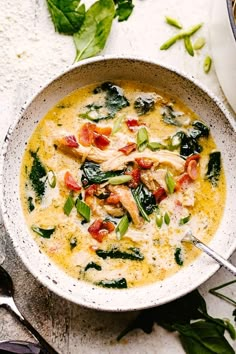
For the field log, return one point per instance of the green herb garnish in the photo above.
(69, 205)
(45, 233)
(119, 179)
(159, 220)
(92, 174)
(142, 139)
(184, 220)
(83, 209)
(207, 64)
(122, 227)
(167, 218)
(52, 180)
(199, 43)
(31, 205)
(180, 35)
(188, 45)
(170, 182)
(154, 146)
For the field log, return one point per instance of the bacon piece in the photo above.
(160, 194)
(128, 148)
(71, 183)
(144, 163)
(70, 141)
(91, 190)
(102, 130)
(113, 199)
(135, 174)
(183, 182)
(192, 170)
(99, 229)
(101, 141)
(86, 134)
(132, 124)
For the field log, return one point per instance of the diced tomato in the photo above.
(103, 130)
(195, 157)
(160, 194)
(144, 162)
(132, 124)
(91, 190)
(192, 170)
(108, 225)
(86, 134)
(135, 174)
(71, 183)
(101, 141)
(113, 199)
(128, 148)
(183, 182)
(178, 203)
(99, 229)
(70, 141)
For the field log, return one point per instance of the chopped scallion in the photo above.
(119, 179)
(122, 227)
(159, 220)
(68, 206)
(184, 220)
(52, 180)
(117, 125)
(167, 219)
(83, 209)
(154, 146)
(142, 139)
(170, 182)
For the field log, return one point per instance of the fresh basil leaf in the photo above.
(45, 233)
(67, 15)
(214, 168)
(92, 35)
(124, 9)
(201, 128)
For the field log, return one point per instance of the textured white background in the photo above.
(32, 53)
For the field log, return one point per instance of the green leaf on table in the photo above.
(67, 15)
(92, 36)
(124, 9)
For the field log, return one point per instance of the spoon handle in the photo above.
(199, 244)
(48, 349)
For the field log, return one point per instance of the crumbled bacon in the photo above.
(71, 183)
(160, 194)
(128, 148)
(102, 130)
(99, 229)
(144, 163)
(91, 190)
(113, 199)
(86, 134)
(183, 182)
(135, 174)
(70, 141)
(132, 124)
(101, 141)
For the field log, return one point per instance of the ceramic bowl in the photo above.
(96, 70)
(223, 45)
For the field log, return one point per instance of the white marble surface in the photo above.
(32, 53)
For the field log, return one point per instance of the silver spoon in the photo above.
(190, 238)
(7, 301)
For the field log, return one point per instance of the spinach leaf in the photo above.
(114, 283)
(92, 35)
(189, 146)
(114, 98)
(169, 115)
(67, 15)
(31, 206)
(144, 104)
(45, 233)
(146, 199)
(178, 256)
(214, 168)
(124, 9)
(92, 265)
(201, 130)
(37, 176)
(93, 113)
(92, 174)
(134, 254)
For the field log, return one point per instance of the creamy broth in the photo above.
(168, 183)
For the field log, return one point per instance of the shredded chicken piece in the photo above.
(168, 158)
(128, 202)
(90, 153)
(154, 179)
(114, 210)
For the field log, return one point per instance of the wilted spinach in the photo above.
(189, 145)
(145, 201)
(214, 168)
(124, 9)
(37, 176)
(144, 104)
(120, 283)
(133, 254)
(200, 130)
(92, 174)
(169, 115)
(67, 16)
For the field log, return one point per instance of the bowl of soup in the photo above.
(105, 171)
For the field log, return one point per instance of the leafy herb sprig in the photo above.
(91, 28)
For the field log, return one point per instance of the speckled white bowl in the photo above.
(94, 70)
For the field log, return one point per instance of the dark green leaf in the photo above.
(114, 98)
(45, 233)
(114, 283)
(145, 201)
(169, 115)
(31, 205)
(92, 174)
(144, 104)
(73, 243)
(133, 254)
(92, 265)
(93, 33)
(67, 15)
(124, 9)
(37, 176)
(69, 205)
(178, 256)
(214, 168)
(189, 146)
(201, 128)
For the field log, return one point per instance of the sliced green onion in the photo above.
(184, 220)
(188, 45)
(180, 35)
(199, 43)
(69, 205)
(119, 179)
(122, 227)
(173, 22)
(52, 180)
(142, 139)
(170, 182)
(46, 233)
(83, 209)
(154, 146)
(117, 125)
(140, 208)
(167, 218)
(159, 220)
(207, 64)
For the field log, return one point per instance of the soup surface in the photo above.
(112, 179)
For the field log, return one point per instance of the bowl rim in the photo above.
(39, 276)
(231, 17)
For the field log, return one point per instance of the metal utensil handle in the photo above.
(215, 255)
